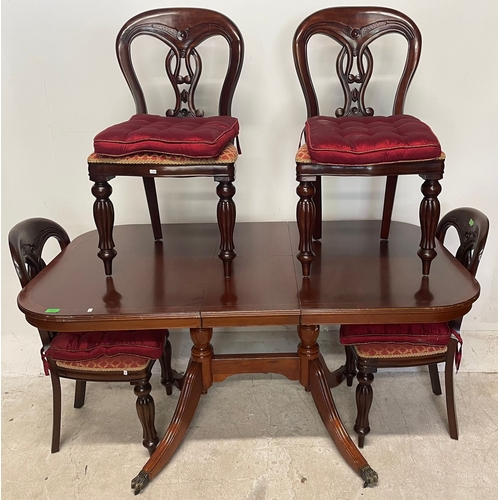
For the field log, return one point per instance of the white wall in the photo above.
(61, 85)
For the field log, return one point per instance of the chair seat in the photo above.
(388, 351)
(365, 140)
(90, 346)
(120, 363)
(228, 155)
(194, 137)
(430, 334)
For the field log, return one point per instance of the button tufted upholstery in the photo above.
(364, 140)
(84, 346)
(431, 334)
(196, 137)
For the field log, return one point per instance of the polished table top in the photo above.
(178, 282)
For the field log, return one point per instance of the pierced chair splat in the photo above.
(355, 142)
(97, 356)
(184, 143)
(369, 347)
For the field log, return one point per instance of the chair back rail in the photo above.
(26, 242)
(355, 28)
(182, 30)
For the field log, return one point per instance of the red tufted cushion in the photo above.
(80, 346)
(364, 140)
(195, 137)
(433, 334)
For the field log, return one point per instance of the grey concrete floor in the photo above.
(255, 437)
(252, 438)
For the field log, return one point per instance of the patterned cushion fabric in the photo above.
(107, 364)
(84, 346)
(228, 155)
(397, 350)
(365, 140)
(431, 334)
(195, 137)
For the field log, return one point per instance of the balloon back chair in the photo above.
(369, 347)
(99, 356)
(184, 143)
(356, 142)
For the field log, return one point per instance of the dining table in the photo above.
(179, 282)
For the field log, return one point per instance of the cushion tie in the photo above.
(458, 353)
(238, 144)
(46, 366)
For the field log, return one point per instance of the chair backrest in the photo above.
(182, 30)
(355, 28)
(472, 227)
(26, 242)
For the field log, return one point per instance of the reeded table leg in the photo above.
(197, 380)
(318, 379)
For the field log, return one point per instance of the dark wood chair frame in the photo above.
(469, 253)
(182, 30)
(355, 28)
(26, 243)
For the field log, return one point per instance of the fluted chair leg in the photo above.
(306, 216)
(146, 411)
(226, 219)
(364, 397)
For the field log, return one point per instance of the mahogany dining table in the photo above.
(179, 283)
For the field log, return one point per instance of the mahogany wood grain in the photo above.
(225, 365)
(355, 279)
(359, 279)
(184, 412)
(353, 29)
(182, 31)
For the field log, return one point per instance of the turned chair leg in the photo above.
(226, 219)
(306, 216)
(80, 387)
(436, 386)
(104, 217)
(450, 397)
(146, 411)
(429, 218)
(56, 410)
(364, 397)
(350, 365)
